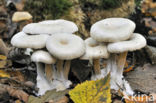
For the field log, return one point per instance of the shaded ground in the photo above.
(143, 78)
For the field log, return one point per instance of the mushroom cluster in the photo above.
(54, 46)
(119, 36)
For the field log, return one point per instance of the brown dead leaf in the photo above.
(62, 100)
(3, 64)
(17, 75)
(3, 48)
(148, 7)
(50, 96)
(20, 94)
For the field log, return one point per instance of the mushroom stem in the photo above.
(59, 66)
(121, 62)
(42, 82)
(49, 72)
(40, 70)
(96, 63)
(66, 69)
(116, 65)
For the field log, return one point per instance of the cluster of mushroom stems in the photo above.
(55, 45)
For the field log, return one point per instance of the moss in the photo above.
(104, 4)
(124, 10)
(47, 9)
(138, 2)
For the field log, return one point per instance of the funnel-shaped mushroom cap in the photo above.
(137, 41)
(51, 27)
(112, 30)
(94, 50)
(65, 47)
(43, 57)
(20, 16)
(22, 40)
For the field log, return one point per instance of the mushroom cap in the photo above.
(22, 40)
(51, 27)
(65, 46)
(21, 16)
(112, 30)
(137, 41)
(94, 50)
(43, 57)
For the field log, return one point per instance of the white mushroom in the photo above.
(136, 42)
(112, 30)
(22, 40)
(95, 51)
(45, 69)
(51, 27)
(65, 47)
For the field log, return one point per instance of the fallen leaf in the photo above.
(128, 69)
(3, 48)
(18, 101)
(4, 74)
(20, 94)
(92, 92)
(62, 100)
(2, 57)
(52, 96)
(17, 75)
(3, 64)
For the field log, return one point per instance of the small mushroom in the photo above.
(51, 27)
(119, 50)
(95, 51)
(65, 47)
(44, 57)
(21, 16)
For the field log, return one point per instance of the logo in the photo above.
(139, 97)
